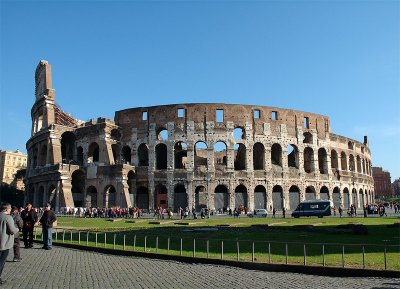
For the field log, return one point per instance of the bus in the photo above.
(319, 208)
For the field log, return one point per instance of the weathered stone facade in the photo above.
(196, 155)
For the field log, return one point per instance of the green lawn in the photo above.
(242, 234)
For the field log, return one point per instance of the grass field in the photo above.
(321, 240)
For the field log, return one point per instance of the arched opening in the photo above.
(359, 165)
(161, 196)
(79, 155)
(258, 156)
(334, 160)
(354, 196)
(162, 134)
(161, 156)
(294, 197)
(91, 197)
(200, 154)
(310, 193)
(78, 187)
(180, 197)
(126, 155)
(43, 155)
(115, 151)
(322, 161)
(219, 155)
(240, 157)
(336, 197)
(221, 198)
(260, 197)
(93, 153)
(276, 154)
(67, 147)
(35, 157)
(132, 186)
(109, 196)
(361, 198)
(115, 135)
(52, 199)
(307, 138)
(238, 133)
(308, 160)
(363, 166)
(350, 145)
(40, 197)
(200, 197)
(180, 153)
(241, 197)
(142, 198)
(346, 198)
(293, 156)
(351, 163)
(324, 193)
(143, 155)
(343, 161)
(277, 198)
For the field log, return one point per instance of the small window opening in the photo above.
(144, 115)
(220, 115)
(256, 114)
(274, 115)
(306, 122)
(181, 112)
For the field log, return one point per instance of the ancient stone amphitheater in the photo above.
(215, 155)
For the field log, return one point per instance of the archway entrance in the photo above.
(180, 197)
(260, 197)
(277, 198)
(221, 198)
(294, 197)
(161, 195)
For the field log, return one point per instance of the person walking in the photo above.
(273, 212)
(29, 217)
(18, 224)
(7, 232)
(47, 220)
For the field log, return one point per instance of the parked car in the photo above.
(258, 213)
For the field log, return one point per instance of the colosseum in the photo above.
(199, 155)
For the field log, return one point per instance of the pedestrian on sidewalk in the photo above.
(18, 224)
(29, 217)
(7, 232)
(47, 220)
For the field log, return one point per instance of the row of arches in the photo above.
(351, 163)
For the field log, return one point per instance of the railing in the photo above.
(366, 256)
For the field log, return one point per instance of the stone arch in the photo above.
(241, 196)
(240, 157)
(359, 165)
(221, 197)
(260, 197)
(115, 134)
(40, 122)
(126, 154)
(161, 196)
(352, 163)
(310, 193)
(354, 197)
(180, 197)
(93, 153)
(343, 161)
(200, 197)
(131, 185)
(258, 156)
(78, 178)
(220, 160)
(43, 155)
(162, 134)
(350, 145)
(294, 197)
(334, 160)
(67, 147)
(116, 153)
(346, 198)
(180, 155)
(200, 154)
(324, 193)
(142, 198)
(277, 197)
(361, 198)
(307, 137)
(293, 156)
(336, 197)
(109, 196)
(308, 160)
(161, 156)
(322, 161)
(91, 197)
(239, 133)
(276, 154)
(143, 155)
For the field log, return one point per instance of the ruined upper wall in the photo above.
(207, 112)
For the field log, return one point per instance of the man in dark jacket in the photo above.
(18, 224)
(29, 217)
(47, 220)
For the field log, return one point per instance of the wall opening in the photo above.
(93, 153)
(161, 196)
(274, 115)
(352, 166)
(308, 160)
(144, 115)
(277, 198)
(240, 157)
(78, 187)
(115, 135)
(43, 155)
(143, 155)
(221, 198)
(161, 156)
(200, 197)
(200, 154)
(324, 193)
(343, 161)
(293, 156)
(308, 138)
(142, 198)
(358, 164)
(334, 160)
(219, 115)
(294, 197)
(238, 133)
(180, 197)
(91, 197)
(241, 198)
(260, 197)
(220, 155)
(181, 112)
(180, 152)
(276, 154)
(322, 161)
(162, 135)
(256, 114)
(306, 123)
(67, 147)
(115, 152)
(258, 156)
(310, 193)
(126, 155)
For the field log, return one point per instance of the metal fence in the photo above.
(372, 256)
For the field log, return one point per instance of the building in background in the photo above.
(10, 164)
(396, 187)
(382, 183)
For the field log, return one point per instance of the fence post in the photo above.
(105, 240)
(79, 237)
(157, 244)
(237, 247)
(56, 234)
(363, 252)
(343, 256)
(385, 260)
(305, 254)
(269, 252)
(35, 232)
(222, 249)
(87, 238)
(286, 249)
(252, 254)
(194, 247)
(114, 240)
(134, 243)
(323, 255)
(63, 236)
(71, 236)
(145, 243)
(124, 241)
(96, 238)
(208, 248)
(181, 246)
(168, 245)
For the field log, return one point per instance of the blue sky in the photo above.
(337, 58)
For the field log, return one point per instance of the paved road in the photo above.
(69, 268)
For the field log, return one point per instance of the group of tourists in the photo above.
(13, 221)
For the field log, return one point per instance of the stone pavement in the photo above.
(70, 268)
